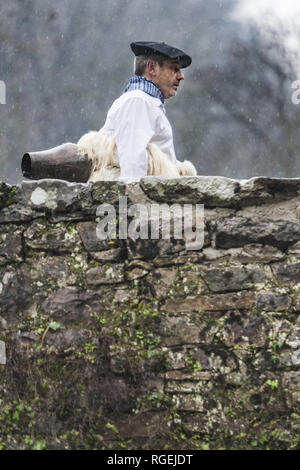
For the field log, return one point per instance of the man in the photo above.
(137, 137)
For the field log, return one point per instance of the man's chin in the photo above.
(171, 93)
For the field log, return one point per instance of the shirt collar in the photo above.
(142, 83)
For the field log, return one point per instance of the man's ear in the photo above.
(151, 67)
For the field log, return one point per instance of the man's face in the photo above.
(168, 77)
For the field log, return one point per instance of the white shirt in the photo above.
(138, 119)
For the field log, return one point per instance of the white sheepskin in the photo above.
(186, 168)
(102, 150)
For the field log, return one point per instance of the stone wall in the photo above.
(142, 344)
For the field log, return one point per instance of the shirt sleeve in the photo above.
(135, 126)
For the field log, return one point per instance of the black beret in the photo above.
(148, 48)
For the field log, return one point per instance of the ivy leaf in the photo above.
(54, 325)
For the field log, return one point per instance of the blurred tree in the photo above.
(64, 63)
(248, 106)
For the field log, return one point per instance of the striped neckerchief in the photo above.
(142, 83)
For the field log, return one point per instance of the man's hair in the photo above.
(140, 62)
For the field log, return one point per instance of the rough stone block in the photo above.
(18, 213)
(51, 237)
(11, 246)
(162, 281)
(66, 339)
(257, 253)
(106, 274)
(233, 279)
(272, 302)
(178, 259)
(291, 382)
(290, 358)
(176, 386)
(136, 273)
(238, 231)
(148, 249)
(187, 375)
(5, 191)
(218, 302)
(288, 273)
(244, 330)
(15, 291)
(178, 330)
(107, 192)
(190, 282)
(49, 272)
(219, 191)
(88, 234)
(125, 295)
(187, 402)
(215, 360)
(72, 304)
(2, 353)
(53, 195)
(175, 359)
(209, 190)
(113, 255)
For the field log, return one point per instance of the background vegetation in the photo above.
(65, 62)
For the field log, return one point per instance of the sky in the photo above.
(256, 9)
(264, 12)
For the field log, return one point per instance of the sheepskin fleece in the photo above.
(101, 148)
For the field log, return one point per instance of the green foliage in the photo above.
(133, 328)
(273, 384)
(15, 417)
(155, 400)
(54, 325)
(11, 195)
(112, 427)
(193, 363)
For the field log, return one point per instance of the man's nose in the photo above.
(180, 75)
